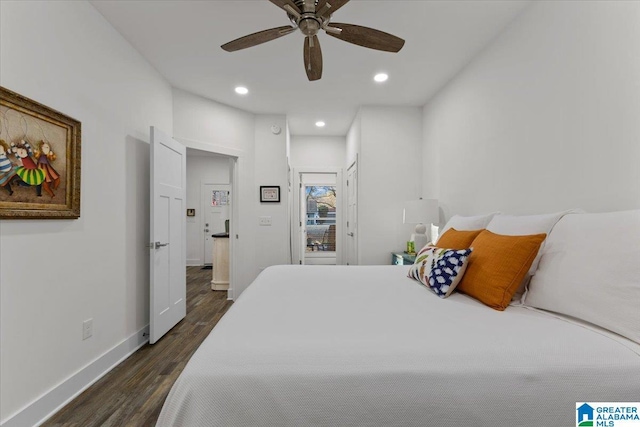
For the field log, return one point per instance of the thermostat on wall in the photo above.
(275, 129)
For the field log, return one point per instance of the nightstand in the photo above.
(402, 258)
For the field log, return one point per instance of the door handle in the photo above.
(350, 234)
(160, 245)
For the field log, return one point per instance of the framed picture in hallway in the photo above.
(39, 160)
(270, 194)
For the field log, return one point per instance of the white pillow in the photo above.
(511, 225)
(590, 269)
(523, 225)
(466, 223)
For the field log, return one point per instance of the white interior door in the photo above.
(352, 215)
(216, 200)
(168, 234)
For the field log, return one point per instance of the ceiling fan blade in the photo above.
(367, 37)
(257, 38)
(282, 3)
(335, 5)
(313, 58)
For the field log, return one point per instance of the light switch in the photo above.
(265, 221)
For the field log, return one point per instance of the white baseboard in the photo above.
(41, 409)
(194, 262)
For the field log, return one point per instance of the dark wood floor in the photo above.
(132, 394)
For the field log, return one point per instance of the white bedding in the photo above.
(366, 346)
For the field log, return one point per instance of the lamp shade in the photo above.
(423, 211)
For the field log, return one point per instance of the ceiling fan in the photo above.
(311, 16)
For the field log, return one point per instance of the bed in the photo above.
(367, 346)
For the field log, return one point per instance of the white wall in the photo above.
(199, 119)
(353, 141)
(389, 174)
(56, 273)
(271, 244)
(545, 119)
(202, 168)
(261, 161)
(318, 151)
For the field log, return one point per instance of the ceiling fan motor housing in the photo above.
(309, 25)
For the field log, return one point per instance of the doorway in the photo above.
(210, 212)
(216, 203)
(320, 203)
(319, 217)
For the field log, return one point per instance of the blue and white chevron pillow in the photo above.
(440, 269)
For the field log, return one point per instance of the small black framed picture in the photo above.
(191, 212)
(269, 194)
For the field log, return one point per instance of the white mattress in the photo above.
(366, 346)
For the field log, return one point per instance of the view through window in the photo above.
(321, 218)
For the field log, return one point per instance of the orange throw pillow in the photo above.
(455, 239)
(497, 265)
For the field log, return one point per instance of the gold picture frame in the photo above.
(39, 160)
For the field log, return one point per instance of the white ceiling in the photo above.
(182, 39)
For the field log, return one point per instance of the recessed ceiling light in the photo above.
(321, 124)
(381, 77)
(241, 90)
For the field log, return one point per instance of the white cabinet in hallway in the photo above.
(220, 277)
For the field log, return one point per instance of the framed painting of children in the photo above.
(39, 160)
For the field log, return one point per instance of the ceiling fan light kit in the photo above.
(311, 16)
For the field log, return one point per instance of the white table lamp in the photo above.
(422, 212)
